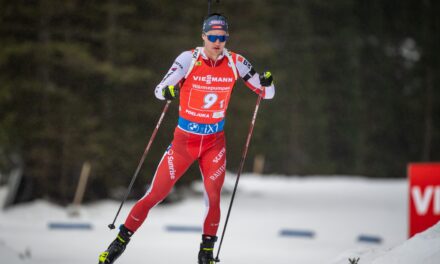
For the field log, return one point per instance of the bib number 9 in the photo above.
(209, 100)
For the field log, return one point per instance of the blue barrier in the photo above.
(70, 226)
(187, 229)
(297, 233)
(309, 234)
(369, 239)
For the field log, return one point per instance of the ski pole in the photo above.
(209, 7)
(240, 169)
(147, 149)
(210, 4)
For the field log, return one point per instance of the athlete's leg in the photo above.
(213, 168)
(173, 165)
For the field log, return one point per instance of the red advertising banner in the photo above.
(424, 196)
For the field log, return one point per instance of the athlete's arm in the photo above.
(175, 74)
(252, 79)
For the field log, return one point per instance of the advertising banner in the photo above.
(424, 196)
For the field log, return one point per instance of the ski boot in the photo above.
(206, 253)
(116, 247)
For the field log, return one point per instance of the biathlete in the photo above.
(206, 76)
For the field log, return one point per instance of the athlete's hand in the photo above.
(170, 92)
(266, 79)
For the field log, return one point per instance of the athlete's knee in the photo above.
(152, 199)
(214, 199)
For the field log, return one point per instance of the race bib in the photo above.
(207, 100)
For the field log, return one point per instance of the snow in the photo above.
(422, 248)
(336, 210)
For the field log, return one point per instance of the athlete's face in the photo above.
(214, 48)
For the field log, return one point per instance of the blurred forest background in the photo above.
(358, 87)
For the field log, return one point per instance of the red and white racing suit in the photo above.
(204, 98)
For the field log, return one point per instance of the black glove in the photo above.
(266, 79)
(170, 92)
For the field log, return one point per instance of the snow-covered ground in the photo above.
(423, 248)
(335, 211)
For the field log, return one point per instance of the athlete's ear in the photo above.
(204, 37)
